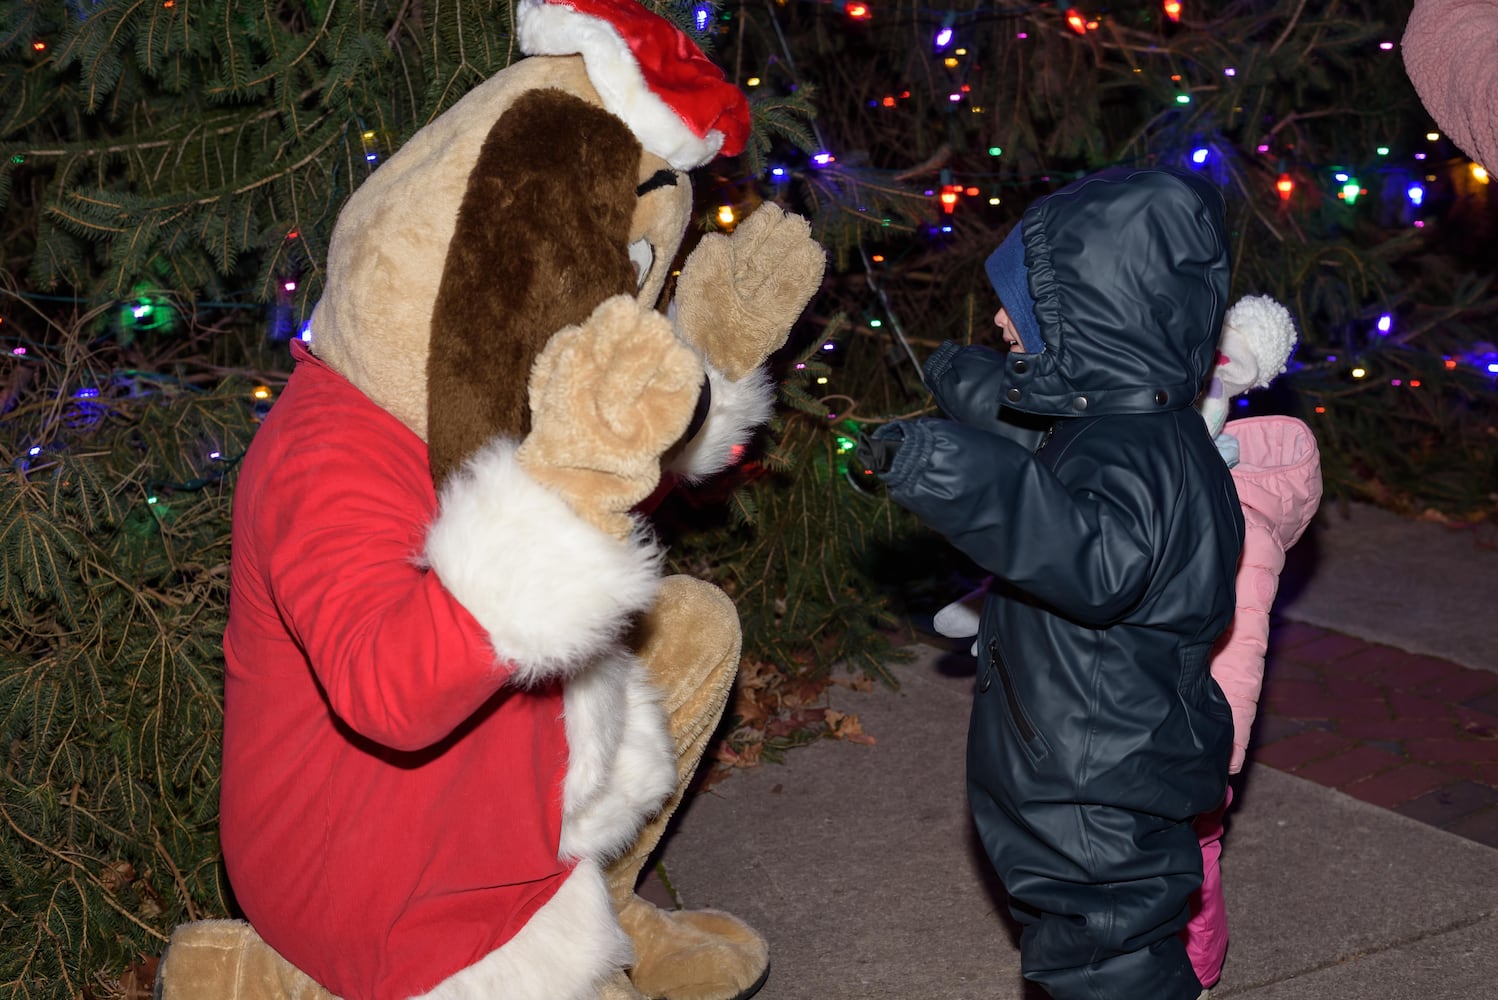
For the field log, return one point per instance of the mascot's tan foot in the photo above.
(227, 960)
(694, 954)
(619, 988)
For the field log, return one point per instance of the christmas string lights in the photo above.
(826, 158)
(1076, 19)
(1369, 184)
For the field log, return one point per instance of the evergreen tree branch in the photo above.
(1300, 7)
(78, 868)
(182, 888)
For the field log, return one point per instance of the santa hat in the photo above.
(648, 72)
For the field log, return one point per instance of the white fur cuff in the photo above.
(737, 409)
(551, 590)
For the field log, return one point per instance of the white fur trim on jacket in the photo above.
(564, 952)
(621, 765)
(548, 29)
(552, 591)
(737, 408)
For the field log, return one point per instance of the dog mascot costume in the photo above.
(461, 702)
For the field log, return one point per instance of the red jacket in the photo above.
(396, 764)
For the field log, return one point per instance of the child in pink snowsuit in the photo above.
(1277, 471)
(1278, 477)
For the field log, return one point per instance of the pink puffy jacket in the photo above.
(1449, 54)
(1278, 476)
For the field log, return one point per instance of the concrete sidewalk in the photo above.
(859, 865)
(1417, 585)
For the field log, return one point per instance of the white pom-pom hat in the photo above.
(1261, 327)
(648, 73)
(1257, 338)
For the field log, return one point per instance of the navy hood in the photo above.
(1128, 269)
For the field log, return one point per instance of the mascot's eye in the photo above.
(659, 179)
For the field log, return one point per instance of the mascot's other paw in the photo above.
(738, 295)
(227, 960)
(693, 954)
(607, 398)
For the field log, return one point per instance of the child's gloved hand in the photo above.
(877, 451)
(1227, 447)
(960, 619)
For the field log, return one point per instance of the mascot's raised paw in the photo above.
(607, 399)
(738, 295)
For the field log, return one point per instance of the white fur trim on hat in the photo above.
(551, 29)
(552, 591)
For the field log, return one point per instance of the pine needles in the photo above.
(114, 548)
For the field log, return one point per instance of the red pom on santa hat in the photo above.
(647, 71)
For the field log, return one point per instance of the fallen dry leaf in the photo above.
(139, 980)
(847, 727)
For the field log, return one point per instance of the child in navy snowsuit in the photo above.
(1097, 733)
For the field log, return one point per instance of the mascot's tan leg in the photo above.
(227, 960)
(690, 645)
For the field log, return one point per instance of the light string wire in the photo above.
(863, 254)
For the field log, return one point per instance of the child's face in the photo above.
(1006, 328)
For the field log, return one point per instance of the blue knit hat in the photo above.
(1006, 271)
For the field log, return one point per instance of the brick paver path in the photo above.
(1411, 733)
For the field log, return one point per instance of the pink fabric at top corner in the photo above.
(1451, 56)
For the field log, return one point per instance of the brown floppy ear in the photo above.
(542, 238)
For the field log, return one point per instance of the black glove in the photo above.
(877, 454)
